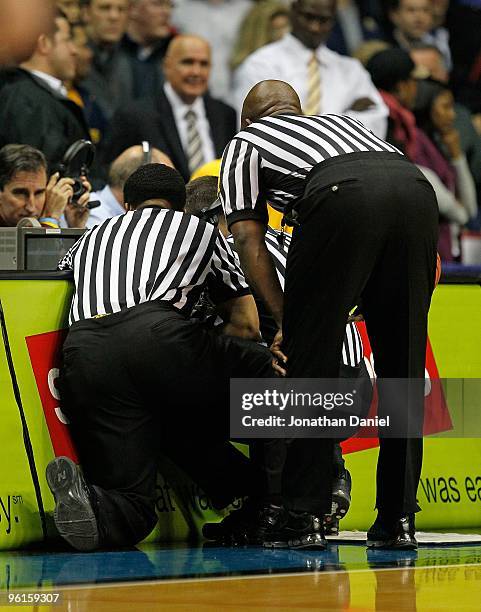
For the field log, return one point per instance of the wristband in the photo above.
(49, 222)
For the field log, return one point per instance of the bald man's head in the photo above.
(128, 162)
(187, 66)
(269, 98)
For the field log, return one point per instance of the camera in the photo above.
(76, 163)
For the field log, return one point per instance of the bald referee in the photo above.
(139, 377)
(365, 228)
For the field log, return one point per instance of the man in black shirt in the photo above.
(34, 108)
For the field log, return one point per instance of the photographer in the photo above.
(26, 191)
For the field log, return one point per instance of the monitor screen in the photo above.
(43, 252)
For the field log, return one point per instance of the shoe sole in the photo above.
(382, 545)
(331, 529)
(73, 514)
(341, 502)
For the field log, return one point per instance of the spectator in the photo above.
(435, 115)
(111, 197)
(94, 115)
(464, 24)
(414, 23)
(149, 33)
(325, 81)
(110, 78)
(218, 21)
(70, 8)
(266, 22)
(182, 120)
(34, 108)
(392, 71)
(26, 192)
(429, 57)
(350, 28)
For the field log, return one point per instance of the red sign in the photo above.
(436, 412)
(44, 351)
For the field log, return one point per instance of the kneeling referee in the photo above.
(139, 377)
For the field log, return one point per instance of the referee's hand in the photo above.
(279, 360)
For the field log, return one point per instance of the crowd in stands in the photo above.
(120, 72)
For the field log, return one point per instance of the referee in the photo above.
(139, 377)
(366, 224)
(202, 201)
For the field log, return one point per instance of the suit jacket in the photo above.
(32, 113)
(153, 120)
(110, 80)
(147, 73)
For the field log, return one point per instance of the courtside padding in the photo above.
(35, 307)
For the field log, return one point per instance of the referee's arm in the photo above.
(246, 215)
(256, 261)
(230, 293)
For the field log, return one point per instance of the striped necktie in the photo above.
(195, 155)
(313, 105)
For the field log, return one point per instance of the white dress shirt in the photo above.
(109, 207)
(54, 83)
(180, 108)
(343, 79)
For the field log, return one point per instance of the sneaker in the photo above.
(341, 502)
(305, 531)
(341, 495)
(393, 535)
(73, 515)
(331, 525)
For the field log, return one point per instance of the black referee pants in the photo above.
(368, 229)
(147, 381)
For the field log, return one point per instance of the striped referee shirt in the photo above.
(270, 160)
(150, 254)
(352, 350)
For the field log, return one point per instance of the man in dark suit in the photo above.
(182, 120)
(34, 108)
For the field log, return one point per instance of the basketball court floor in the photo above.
(195, 577)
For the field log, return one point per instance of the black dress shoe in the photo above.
(278, 528)
(73, 515)
(393, 535)
(268, 527)
(305, 531)
(253, 524)
(233, 528)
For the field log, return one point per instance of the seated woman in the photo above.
(456, 191)
(427, 138)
